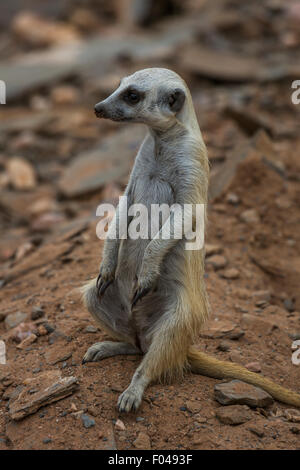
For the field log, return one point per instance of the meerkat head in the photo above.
(154, 97)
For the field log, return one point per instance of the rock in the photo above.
(237, 392)
(242, 294)
(264, 295)
(218, 328)
(45, 222)
(259, 145)
(294, 335)
(24, 250)
(64, 94)
(41, 68)
(27, 341)
(250, 216)
(254, 367)
(5, 375)
(231, 273)
(283, 202)
(142, 441)
(249, 121)
(212, 249)
(256, 323)
(42, 205)
(48, 387)
(139, 419)
(222, 65)
(88, 422)
(292, 415)
(54, 356)
(217, 261)
(109, 162)
(120, 425)
(236, 334)
(273, 310)
(262, 304)
(234, 414)
(21, 173)
(90, 329)
(224, 346)
(235, 356)
(84, 19)
(233, 199)
(22, 331)
(14, 319)
(193, 406)
(37, 312)
(289, 304)
(42, 331)
(258, 430)
(37, 31)
(43, 256)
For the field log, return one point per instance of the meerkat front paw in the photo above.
(130, 399)
(105, 277)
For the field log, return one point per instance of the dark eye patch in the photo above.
(132, 96)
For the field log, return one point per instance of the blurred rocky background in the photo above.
(58, 162)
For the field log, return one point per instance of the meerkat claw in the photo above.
(99, 278)
(102, 285)
(139, 294)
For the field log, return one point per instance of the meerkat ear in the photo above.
(176, 100)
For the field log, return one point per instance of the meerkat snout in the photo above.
(99, 110)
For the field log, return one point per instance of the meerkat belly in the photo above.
(150, 193)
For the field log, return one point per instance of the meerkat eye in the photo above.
(132, 97)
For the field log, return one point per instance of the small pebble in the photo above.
(88, 422)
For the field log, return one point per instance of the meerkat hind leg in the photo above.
(99, 351)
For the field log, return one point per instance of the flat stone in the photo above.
(231, 273)
(264, 295)
(237, 392)
(21, 173)
(253, 367)
(48, 387)
(193, 406)
(292, 415)
(120, 425)
(22, 331)
(250, 216)
(27, 341)
(211, 249)
(218, 328)
(217, 261)
(90, 329)
(53, 356)
(234, 414)
(109, 162)
(14, 319)
(224, 346)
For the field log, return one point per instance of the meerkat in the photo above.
(150, 293)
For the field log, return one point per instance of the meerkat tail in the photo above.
(204, 364)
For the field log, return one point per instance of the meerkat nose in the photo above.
(99, 110)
